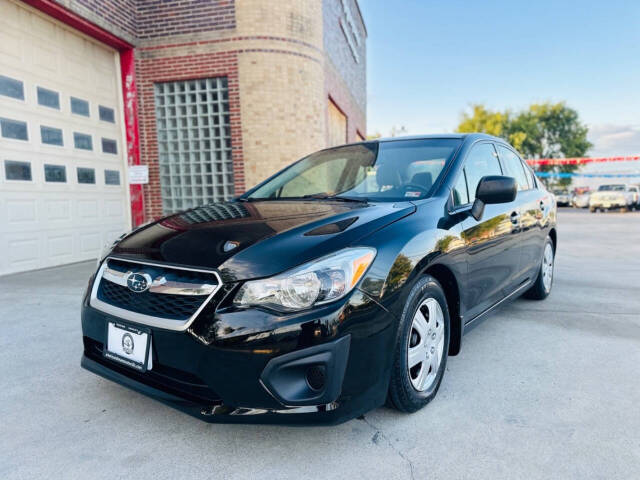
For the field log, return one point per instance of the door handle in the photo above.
(515, 216)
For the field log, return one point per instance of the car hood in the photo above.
(258, 238)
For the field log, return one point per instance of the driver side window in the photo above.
(481, 161)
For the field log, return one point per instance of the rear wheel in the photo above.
(421, 347)
(542, 286)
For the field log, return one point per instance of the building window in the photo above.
(14, 129)
(82, 141)
(194, 142)
(86, 175)
(79, 106)
(337, 125)
(55, 173)
(10, 87)
(17, 170)
(48, 98)
(109, 146)
(111, 177)
(106, 114)
(51, 136)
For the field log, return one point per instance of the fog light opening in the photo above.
(316, 377)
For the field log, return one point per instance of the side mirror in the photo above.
(493, 189)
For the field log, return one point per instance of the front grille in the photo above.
(175, 307)
(155, 303)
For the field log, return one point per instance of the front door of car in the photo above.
(491, 243)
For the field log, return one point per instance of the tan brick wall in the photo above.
(291, 19)
(282, 107)
(281, 81)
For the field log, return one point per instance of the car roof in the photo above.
(461, 136)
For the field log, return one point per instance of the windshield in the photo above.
(611, 188)
(386, 171)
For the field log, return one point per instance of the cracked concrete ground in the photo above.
(540, 390)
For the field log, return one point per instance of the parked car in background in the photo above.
(635, 190)
(563, 198)
(580, 197)
(610, 197)
(341, 283)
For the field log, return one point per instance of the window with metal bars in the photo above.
(194, 142)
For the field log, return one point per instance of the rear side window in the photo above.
(481, 161)
(513, 167)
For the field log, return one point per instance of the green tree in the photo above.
(483, 120)
(545, 130)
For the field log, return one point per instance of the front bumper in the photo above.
(608, 203)
(256, 366)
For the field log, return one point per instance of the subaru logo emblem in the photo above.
(229, 245)
(138, 282)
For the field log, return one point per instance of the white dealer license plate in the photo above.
(128, 345)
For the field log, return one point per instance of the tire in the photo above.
(543, 284)
(426, 312)
(592, 210)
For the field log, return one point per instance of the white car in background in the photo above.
(635, 190)
(612, 196)
(581, 200)
(563, 198)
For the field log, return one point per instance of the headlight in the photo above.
(320, 281)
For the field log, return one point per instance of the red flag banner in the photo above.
(580, 161)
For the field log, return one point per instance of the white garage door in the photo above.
(62, 171)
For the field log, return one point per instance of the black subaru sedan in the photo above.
(339, 284)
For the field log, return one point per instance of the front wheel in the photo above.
(542, 286)
(421, 348)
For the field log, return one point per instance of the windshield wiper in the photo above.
(315, 196)
(323, 196)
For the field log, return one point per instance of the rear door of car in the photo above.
(493, 253)
(530, 203)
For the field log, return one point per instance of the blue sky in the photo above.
(428, 60)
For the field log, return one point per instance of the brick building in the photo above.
(212, 96)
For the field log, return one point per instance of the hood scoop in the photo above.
(331, 228)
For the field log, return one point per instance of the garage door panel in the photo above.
(23, 252)
(58, 220)
(113, 208)
(91, 243)
(20, 212)
(87, 210)
(60, 247)
(11, 44)
(58, 211)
